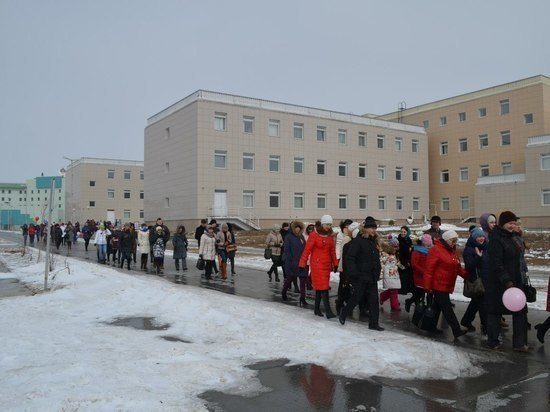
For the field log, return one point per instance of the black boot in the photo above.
(338, 306)
(317, 309)
(283, 293)
(326, 304)
(303, 302)
(542, 328)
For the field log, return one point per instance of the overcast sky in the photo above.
(80, 78)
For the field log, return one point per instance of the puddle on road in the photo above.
(10, 287)
(175, 339)
(310, 387)
(141, 323)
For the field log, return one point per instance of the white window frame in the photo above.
(321, 201)
(220, 121)
(506, 168)
(415, 146)
(505, 138)
(398, 144)
(110, 193)
(483, 141)
(342, 169)
(342, 136)
(528, 118)
(274, 160)
(248, 162)
(399, 203)
(398, 173)
(443, 121)
(362, 139)
(299, 200)
(127, 214)
(248, 123)
(462, 117)
(381, 202)
(321, 134)
(504, 107)
(298, 161)
(381, 172)
(415, 175)
(463, 144)
(362, 167)
(380, 141)
(248, 199)
(363, 202)
(127, 174)
(416, 204)
(545, 161)
(323, 164)
(464, 203)
(274, 128)
(220, 156)
(444, 148)
(342, 201)
(482, 112)
(298, 131)
(444, 176)
(463, 174)
(445, 204)
(545, 197)
(127, 194)
(484, 170)
(276, 197)
(426, 124)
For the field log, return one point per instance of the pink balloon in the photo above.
(514, 299)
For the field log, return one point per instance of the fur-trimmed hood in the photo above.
(297, 223)
(363, 233)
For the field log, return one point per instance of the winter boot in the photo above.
(542, 328)
(326, 304)
(223, 269)
(317, 309)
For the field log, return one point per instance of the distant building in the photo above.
(37, 198)
(12, 205)
(254, 162)
(489, 150)
(104, 189)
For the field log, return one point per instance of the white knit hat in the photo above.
(326, 220)
(449, 234)
(353, 226)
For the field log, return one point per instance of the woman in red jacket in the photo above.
(419, 256)
(321, 247)
(442, 268)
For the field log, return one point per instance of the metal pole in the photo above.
(49, 237)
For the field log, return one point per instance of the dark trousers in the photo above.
(144, 260)
(294, 279)
(442, 304)
(475, 305)
(370, 292)
(208, 266)
(519, 329)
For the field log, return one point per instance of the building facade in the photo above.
(481, 140)
(104, 189)
(255, 162)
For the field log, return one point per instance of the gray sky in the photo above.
(80, 78)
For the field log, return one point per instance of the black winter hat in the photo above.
(370, 222)
(436, 219)
(506, 217)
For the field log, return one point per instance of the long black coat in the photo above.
(504, 266)
(362, 259)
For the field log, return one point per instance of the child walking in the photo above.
(158, 255)
(390, 274)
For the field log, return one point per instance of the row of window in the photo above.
(483, 142)
(24, 192)
(127, 213)
(127, 175)
(274, 165)
(504, 109)
(464, 202)
(126, 195)
(274, 130)
(9, 199)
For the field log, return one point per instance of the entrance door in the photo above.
(220, 203)
(111, 216)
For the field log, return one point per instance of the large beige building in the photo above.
(104, 189)
(255, 162)
(489, 150)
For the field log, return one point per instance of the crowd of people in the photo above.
(308, 254)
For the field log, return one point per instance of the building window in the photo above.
(248, 161)
(444, 176)
(342, 201)
(362, 139)
(248, 124)
(380, 141)
(484, 170)
(141, 175)
(110, 193)
(141, 195)
(416, 204)
(321, 167)
(545, 161)
(321, 133)
(415, 175)
(273, 128)
(342, 136)
(167, 167)
(504, 106)
(398, 203)
(398, 173)
(426, 124)
(414, 146)
(482, 112)
(381, 172)
(483, 141)
(91, 203)
(248, 199)
(506, 168)
(166, 202)
(274, 162)
(127, 213)
(299, 131)
(274, 199)
(445, 205)
(220, 159)
(363, 170)
(299, 201)
(463, 145)
(505, 138)
(127, 174)
(528, 118)
(167, 133)
(443, 148)
(545, 197)
(92, 183)
(443, 120)
(381, 202)
(126, 194)
(321, 200)
(142, 214)
(110, 174)
(298, 165)
(464, 203)
(463, 174)
(342, 169)
(462, 117)
(398, 144)
(363, 202)
(220, 121)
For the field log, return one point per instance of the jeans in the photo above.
(102, 252)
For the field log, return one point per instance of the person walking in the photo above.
(504, 273)
(223, 239)
(69, 235)
(87, 233)
(144, 247)
(294, 245)
(274, 241)
(125, 245)
(25, 230)
(442, 268)
(404, 256)
(390, 274)
(344, 284)
(180, 244)
(158, 251)
(207, 250)
(231, 248)
(321, 247)
(543, 327)
(100, 240)
(199, 231)
(418, 266)
(32, 233)
(362, 262)
(435, 229)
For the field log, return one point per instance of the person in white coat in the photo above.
(144, 246)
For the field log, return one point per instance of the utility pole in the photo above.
(49, 237)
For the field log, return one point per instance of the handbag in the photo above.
(267, 253)
(231, 247)
(419, 308)
(429, 320)
(530, 291)
(473, 289)
(200, 263)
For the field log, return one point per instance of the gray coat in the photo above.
(179, 242)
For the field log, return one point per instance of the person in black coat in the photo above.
(125, 245)
(362, 262)
(293, 246)
(504, 273)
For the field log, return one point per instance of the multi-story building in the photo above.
(488, 150)
(104, 189)
(12, 205)
(37, 198)
(255, 162)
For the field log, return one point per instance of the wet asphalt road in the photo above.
(521, 382)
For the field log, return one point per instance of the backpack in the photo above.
(158, 249)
